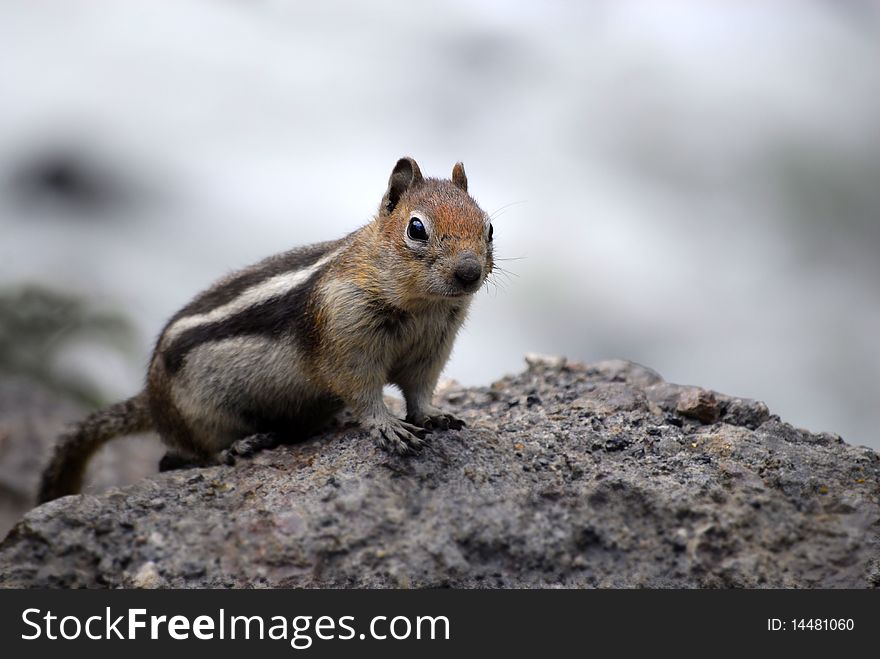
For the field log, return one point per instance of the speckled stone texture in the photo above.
(568, 475)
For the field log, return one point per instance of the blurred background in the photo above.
(691, 185)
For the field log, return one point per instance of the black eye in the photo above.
(490, 233)
(416, 229)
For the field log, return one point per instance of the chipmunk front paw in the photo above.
(433, 418)
(396, 436)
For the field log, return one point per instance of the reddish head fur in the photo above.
(456, 239)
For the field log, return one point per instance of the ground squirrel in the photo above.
(271, 353)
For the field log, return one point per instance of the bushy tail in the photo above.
(65, 472)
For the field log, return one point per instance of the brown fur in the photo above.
(279, 347)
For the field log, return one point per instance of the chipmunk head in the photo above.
(444, 237)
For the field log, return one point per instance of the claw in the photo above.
(397, 436)
(435, 419)
(418, 431)
(247, 447)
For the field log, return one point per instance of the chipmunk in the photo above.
(273, 352)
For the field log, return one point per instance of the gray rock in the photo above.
(568, 475)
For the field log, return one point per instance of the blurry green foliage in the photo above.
(38, 324)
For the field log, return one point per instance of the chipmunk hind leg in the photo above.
(242, 448)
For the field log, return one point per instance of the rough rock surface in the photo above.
(568, 475)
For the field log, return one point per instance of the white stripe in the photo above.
(263, 292)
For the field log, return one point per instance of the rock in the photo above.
(147, 576)
(698, 404)
(744, 412)
(609, 397)
(706, 406)
(536, 361)
(609, 481)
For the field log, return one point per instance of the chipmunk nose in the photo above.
(468, 269)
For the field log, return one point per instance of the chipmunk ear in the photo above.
(406, 173)
(459, 177)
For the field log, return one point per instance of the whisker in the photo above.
(499, 211)
(499, 279)
(503, 271)
(495, 284)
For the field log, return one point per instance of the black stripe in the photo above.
(228, 289)
(291, 312)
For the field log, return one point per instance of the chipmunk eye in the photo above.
(490, 233)
(416, 229)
